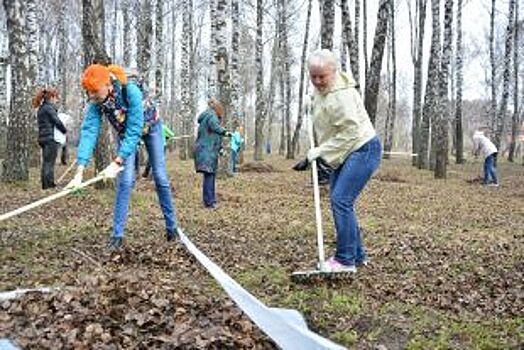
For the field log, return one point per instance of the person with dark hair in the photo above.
(207, 148)
(119, 100)
(47, 116)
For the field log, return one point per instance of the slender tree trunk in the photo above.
(259, 121)
(443, 112)
(300, 113)
(185, 72)
(388, 145)
(4, 108)
(515, 120)
(159, 43)
(145, 33)
(459, 134)
(431, 101)
(211, 79)
(493, 111)
(126, 45)
(16, 164)
(373, 78)
(114, 29)
(356, 41)
(32, 51)
(327, 20)
(417, 56)
(501, 117)
(172, 70)
(350, 39)
(274, 73)
(62, 55)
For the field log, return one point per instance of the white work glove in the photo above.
(313, 154)
(77, 180)
(112, 170)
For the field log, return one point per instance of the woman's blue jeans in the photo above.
(126, 179)
(234, 160)
(346, 183)
(490, 175)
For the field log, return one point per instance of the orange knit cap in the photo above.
(95, 76)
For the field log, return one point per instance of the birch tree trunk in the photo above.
(236, 109)
(211, 80)
(431, 100)
(417, 51)
(501, 116)
(515, 120)
(493, 110)
(159, 45)
(373, 78)
(94, 52)
(444, 110)
(145, 33)
(32, 53)
(356, 42)
(173, 90)
(327, 20)
(260, 113)
(275, 72)
(15, 166)
(352, 45)
(459, 134)
(388, 145)
(62, 55)
(185, 73)
(4, 107)
(126, 45)
(300, 113)
(114, 29)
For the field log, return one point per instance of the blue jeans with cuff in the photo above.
(346, 184)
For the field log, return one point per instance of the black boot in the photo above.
(172, 235)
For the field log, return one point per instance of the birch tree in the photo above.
(185, 75)
(373, 77)
(417, 50)
(62, 55)
(493, 63)
(441, 126)
(159, 46)
(515, 120)
(327, 20)
(501, 115)
(16, 163)
(352, 44)
(459, 134)
(300, 113)
(392, 63)
(126, 8)
(259, 110)
(4, 107)
(145, 40)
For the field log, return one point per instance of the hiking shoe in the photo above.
(493, 184)
(171, 235)
(334, 266)
(115, 243)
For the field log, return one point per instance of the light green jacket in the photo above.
(340, 121)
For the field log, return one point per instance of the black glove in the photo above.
(302, 165)
(228, 134)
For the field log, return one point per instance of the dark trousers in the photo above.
(64, 156)
(208, 190)
(47, 173)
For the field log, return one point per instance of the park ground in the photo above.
(446, 263)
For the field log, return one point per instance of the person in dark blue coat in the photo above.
(207, 148)
(47, 116)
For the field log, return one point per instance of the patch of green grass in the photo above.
(252, 279)
(348, 337)
(345, 303)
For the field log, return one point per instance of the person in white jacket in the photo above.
(483, 145)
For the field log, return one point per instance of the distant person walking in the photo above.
(483, 145)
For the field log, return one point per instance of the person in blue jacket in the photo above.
(118, 100)
(236, 145)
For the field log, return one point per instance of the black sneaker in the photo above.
(115, 243)
(171, 235)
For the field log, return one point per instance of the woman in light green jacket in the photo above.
(347, 141)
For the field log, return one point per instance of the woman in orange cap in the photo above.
(118, 100)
